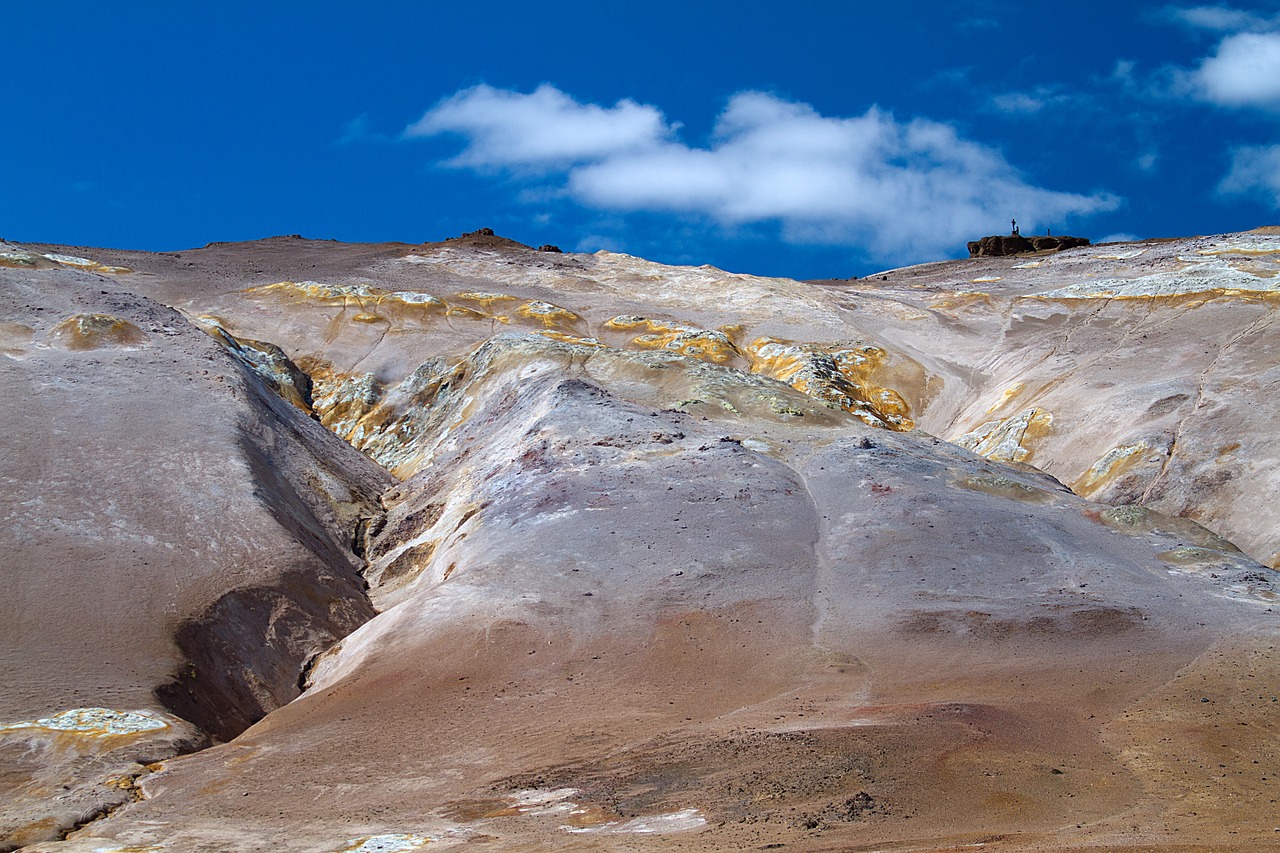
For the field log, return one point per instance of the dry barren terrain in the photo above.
(322, 547)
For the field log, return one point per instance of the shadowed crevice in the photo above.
(244, 654)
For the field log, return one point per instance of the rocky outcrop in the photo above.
(1016, 244)
(176, 544)
(563, 585)
(669, 551)
(913, 345)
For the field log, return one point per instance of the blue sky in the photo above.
(807, 139)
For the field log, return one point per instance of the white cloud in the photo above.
(1018, 103)
(898, 189)
(1254, 171)
(1244, 72)
(542, 130)
(1037, 100)
(1223, 19)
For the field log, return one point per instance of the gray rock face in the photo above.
(671, 558)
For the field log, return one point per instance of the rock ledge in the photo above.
(1016, 244)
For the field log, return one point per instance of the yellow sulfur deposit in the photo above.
(93, 331)
(840, 376)
(551, 316)
(1011, 439)
(702, 344)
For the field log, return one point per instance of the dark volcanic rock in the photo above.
(1016, 244)
(482, 238)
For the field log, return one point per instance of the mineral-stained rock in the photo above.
(651, 573)
(150, 480)
(584, 593)
(93, 331)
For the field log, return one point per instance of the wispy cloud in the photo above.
(1034, 101)
(360, 129)
(898, 189)
(1255, 171)
(1017, 103)
(1222, 19)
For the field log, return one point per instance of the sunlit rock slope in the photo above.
(174, 543)
(639, 557)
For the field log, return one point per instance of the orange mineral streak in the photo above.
(703, 344)
(488, 303)
(85, 264)
(266, 359)
(1011, 439)
(387, 424)
(1184, 300)
(840, 376)
(70, 729)
(341, 400)
(372, 304)
(95, 331)
(1113, 464)
(957, 301)
(26, 261)
(566, 338)
(38, 830)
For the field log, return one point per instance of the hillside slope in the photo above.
(672, 557)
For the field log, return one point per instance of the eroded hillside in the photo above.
(639, 555)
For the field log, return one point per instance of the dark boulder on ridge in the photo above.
(1016, 244)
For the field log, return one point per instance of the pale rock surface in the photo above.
(173, 539)
(675, 561)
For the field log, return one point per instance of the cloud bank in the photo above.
(1243, 72)
(1244, 69)
(896, 189)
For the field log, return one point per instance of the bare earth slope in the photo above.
(674, 562)
(174, 540)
